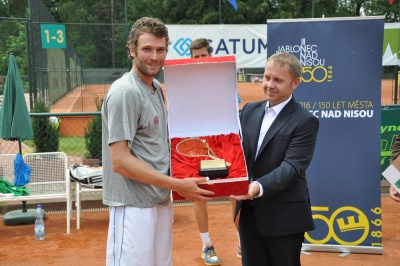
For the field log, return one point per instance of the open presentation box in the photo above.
(202, 103)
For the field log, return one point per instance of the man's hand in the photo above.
(254, 189)
(189, 189)
(394, 194)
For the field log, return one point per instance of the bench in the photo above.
(79, 189)
(49, 178)
(86, 179)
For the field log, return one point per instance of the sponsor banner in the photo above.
(390, 128)
(248, 43)
(341, 85)
(391, 45)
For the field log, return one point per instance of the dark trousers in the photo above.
(259, 250)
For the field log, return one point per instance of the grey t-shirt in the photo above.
(132, 112)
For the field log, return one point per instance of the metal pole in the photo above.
(28, 55)
(220, 20)
(20, 146)
(396, 79)
(126, 34)
(28, 26)
(112, 35)
(396, 83)
(312, 9)
(126, 22)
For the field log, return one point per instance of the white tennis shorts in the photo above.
(140, 236)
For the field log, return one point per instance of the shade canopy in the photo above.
(14, 116)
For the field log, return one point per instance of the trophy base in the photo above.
(213, 168)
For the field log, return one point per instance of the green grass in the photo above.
(74, 146)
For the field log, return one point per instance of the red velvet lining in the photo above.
(226, 147)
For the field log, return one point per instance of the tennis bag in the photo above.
(86, 175)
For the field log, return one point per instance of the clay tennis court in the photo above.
(81, 99)
(87, 246)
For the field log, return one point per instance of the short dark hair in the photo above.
(149, 25)
(200, 43)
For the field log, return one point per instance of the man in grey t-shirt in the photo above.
(136, 184)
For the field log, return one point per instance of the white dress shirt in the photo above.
(270, 114)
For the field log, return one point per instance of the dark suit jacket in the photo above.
(280, 167)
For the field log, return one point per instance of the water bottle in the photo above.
(39, 223)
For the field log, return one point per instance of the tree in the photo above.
(93, 133)
(45, 135)
(13, 8)
(383, 8)
(99, 49)
(14, 44)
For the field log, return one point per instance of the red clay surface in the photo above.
(87, 246)
(82, 98)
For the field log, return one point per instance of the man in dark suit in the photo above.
(279, 138)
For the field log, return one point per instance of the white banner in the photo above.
(248, 43)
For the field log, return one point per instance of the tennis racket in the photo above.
(195, 147)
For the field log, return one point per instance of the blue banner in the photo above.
(341, 85)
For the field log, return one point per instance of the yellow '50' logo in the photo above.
(346, 220)
(317, 74)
